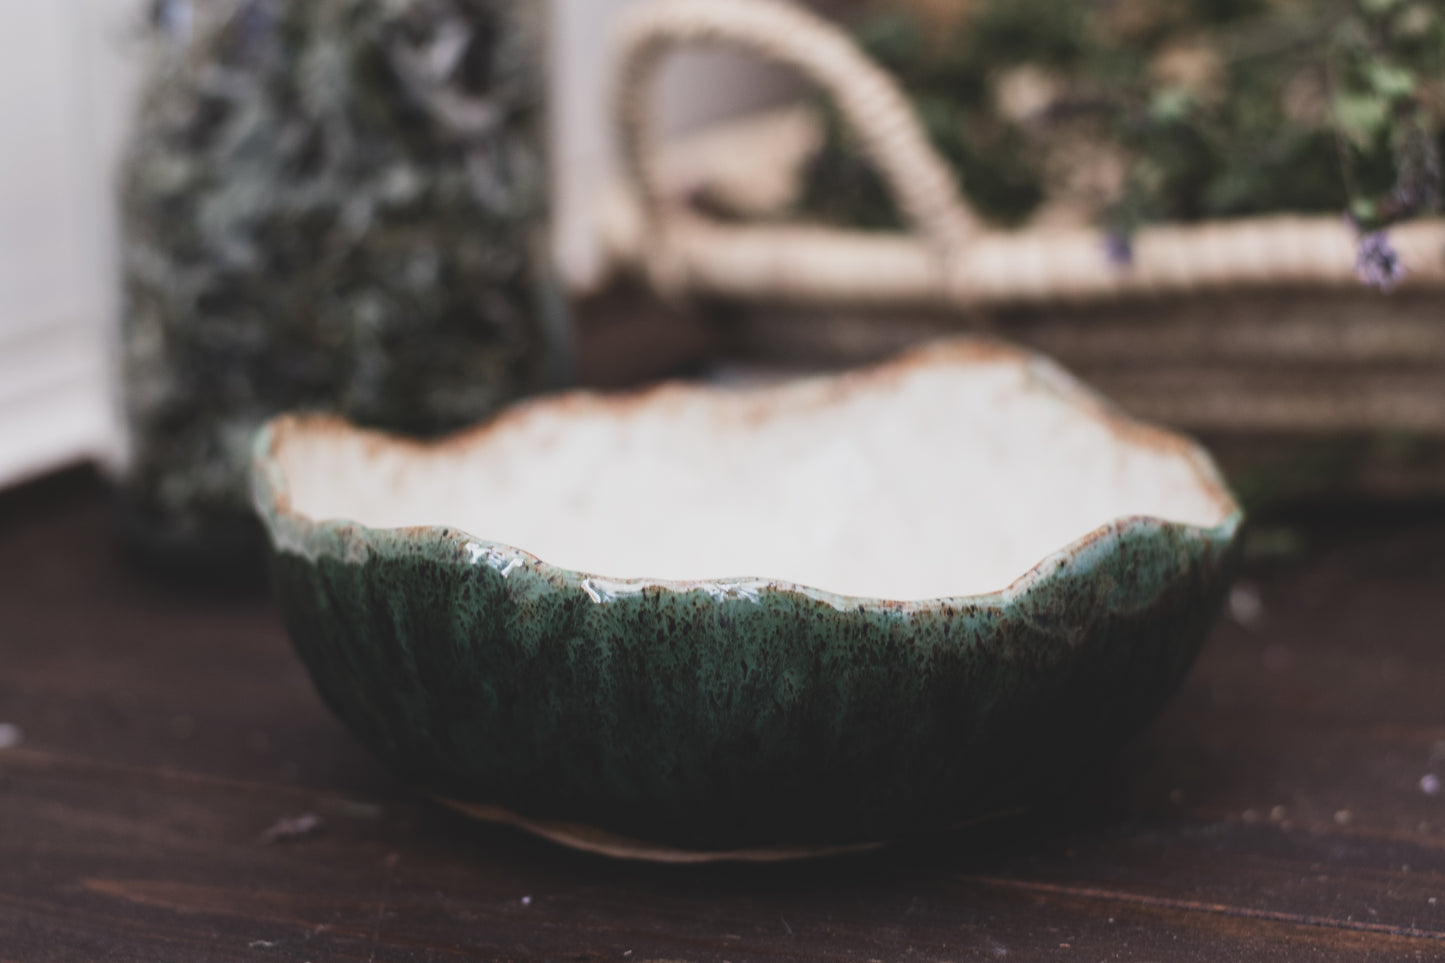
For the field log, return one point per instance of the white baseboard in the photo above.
(55, 408)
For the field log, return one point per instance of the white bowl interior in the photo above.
(926, 480)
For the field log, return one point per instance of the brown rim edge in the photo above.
(816, 389)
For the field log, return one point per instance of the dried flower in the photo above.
(1119, 249)
(175, 20)
(1377, 263)
(1214, 108)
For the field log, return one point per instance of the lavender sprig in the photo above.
(1119, 249)
(1378, 263)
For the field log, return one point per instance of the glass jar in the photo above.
(334, 205)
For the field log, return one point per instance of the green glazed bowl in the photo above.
(703, 622)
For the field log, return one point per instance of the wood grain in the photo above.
(1275, 811)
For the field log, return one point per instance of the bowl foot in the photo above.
(603, 843)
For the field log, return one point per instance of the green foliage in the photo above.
(1199, 109)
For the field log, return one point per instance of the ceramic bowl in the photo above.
(753, 622)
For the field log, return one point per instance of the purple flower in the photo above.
(250, 33)
(175, 18)
(1377, 263)
(1119, 249)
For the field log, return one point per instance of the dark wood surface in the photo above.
(1276, 811)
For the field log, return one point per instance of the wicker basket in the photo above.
(1254, 334)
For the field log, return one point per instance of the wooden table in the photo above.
(1284, 807)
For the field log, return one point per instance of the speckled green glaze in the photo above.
(737, 712)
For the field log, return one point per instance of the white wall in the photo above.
(66, 82)
(61, 78)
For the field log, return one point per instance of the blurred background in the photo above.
(71, 73)
(1218, 212)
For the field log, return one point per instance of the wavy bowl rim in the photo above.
(298, 534)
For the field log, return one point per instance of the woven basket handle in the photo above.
(869, 100)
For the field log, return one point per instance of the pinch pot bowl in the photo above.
(704, 622)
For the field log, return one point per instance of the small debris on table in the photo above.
(294, 828)
(1245, 605)
(10, 735)
(1430, 784)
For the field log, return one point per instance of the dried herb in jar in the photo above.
(329, 204)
